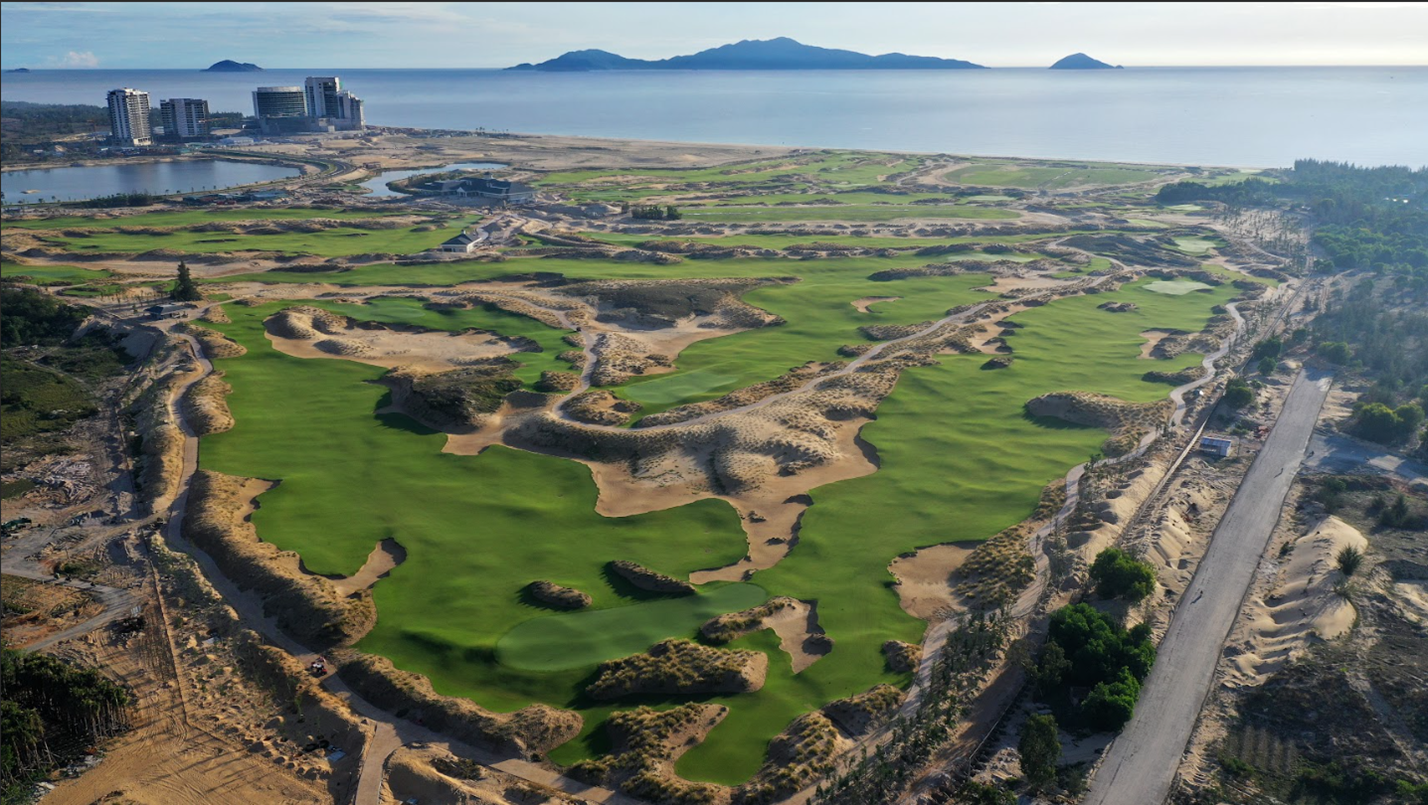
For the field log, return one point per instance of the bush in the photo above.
(1119, 575)
(1377, 422)
(1111, 704)
(1349, 560)
(1238, 393)
(1334, 352)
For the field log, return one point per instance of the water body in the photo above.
(378, 186)
(182, 176)
(1245, 116)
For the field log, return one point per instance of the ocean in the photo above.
(1241, 116)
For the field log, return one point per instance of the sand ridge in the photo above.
(1300, 605)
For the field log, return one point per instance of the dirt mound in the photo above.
(1126, 421)
(325, 717)
(680, 667)
(655, 304)
(902, 657)
(215, 345)
(554, 595)
(456, 401)
(343, 347)
(306, 606)
(205, 405)
(557, 381)
(748, 395)
(619, 357)
(857, 715)
(724, 628)
(529, 732)
(1179, 378)
(216, 315)
(645, 745)
(651, 581)
(601, 407)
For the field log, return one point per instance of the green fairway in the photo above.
(845, 212)
(785, 241)
(1197, 245)
(336, 242)
(581, 639)
(1051, 178)
(52, 274)
(959, 461)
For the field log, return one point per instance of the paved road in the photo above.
(1140, 766)
(1333, 452)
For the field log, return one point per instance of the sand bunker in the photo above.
(1300, 607)
(387, 555)
(863, 304)
(924, 578)
(1153, 339)
(309, 332)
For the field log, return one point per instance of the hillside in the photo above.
(751, 54)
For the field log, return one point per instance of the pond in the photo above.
(378, 185)
(96, 181)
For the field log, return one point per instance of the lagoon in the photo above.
(97, 181)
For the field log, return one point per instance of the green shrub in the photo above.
(1119, 575)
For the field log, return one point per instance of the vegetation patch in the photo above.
(680, 667)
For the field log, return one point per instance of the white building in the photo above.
(328, 101)
(463, 243)
(129, 117)
(184, 118)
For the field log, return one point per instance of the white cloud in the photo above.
(74, 58)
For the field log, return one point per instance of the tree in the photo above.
(1334, 351)
(1238, 393)
(1119, 575)
(1052, 670)
(1267, 366)
(672, 213)
(1379, 423)
(1040, 748)
(1111, 704)
(1268, 348)
(184, 288)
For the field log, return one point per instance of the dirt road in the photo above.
(1140, 766)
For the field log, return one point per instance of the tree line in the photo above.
(50, 712)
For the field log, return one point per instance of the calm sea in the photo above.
(1262, 117)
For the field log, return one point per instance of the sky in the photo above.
(78, 35)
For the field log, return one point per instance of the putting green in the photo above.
(1197, 245)
(1176, 287)
(581, 639)
(676, 388)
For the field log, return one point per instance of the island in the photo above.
(230, 66)
(19, 70)
(1080, 61)
(781, 53)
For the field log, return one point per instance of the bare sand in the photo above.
(431, 351)
(387, 555)
(1299, 607)
(862, 305)
(924, 579)
(1152, 340)
(796, 627)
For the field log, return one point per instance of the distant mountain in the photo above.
(1080, 61)
(230, 66)
(751, 54)
(19, 70)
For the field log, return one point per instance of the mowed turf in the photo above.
(1026, 176)
(844, 212)
(336, 242)
(190, 218)
(49, 274)
(959, 462)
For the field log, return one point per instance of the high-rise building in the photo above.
(281, 110)
(279, 102)
(331, 106)
(321, 92)
(349, 111)
(129, 117)
(184, 118)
